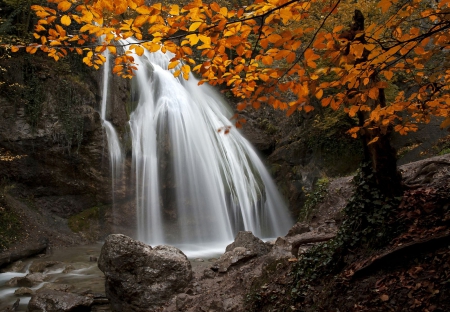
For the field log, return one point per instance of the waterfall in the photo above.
(195, 185)
(114, 148)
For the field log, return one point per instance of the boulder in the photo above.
(250, 242)
(30, 280)
(58, 301)
(233, 257)
(139, 277)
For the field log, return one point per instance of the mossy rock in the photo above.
(82, 222)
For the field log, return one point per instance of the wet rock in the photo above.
(17, 266)
(234, 257)
(68, 269)
(23, 291)
(59, 301)
(58, 287)
(30, 280)
(298, 228)
(139, 277)
(40, 266)
(250, 242)
(13, 281)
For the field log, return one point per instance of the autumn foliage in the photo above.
(288, 54)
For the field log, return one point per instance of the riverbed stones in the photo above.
(23, 291)
(58, 301)
(40, 266)
(139, 277)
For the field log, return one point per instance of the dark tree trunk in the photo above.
(379, 154)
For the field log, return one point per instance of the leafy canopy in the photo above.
(285, 53)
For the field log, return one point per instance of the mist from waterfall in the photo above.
(196, 186)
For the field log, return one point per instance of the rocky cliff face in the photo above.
(53, 154)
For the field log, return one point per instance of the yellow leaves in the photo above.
(65, 20)
(193, 39)
(64, 6)
(140, 20)
(143, 10)
(185, 69)
(194, 26)
(138, 49)
(173, 64)
(174, 10)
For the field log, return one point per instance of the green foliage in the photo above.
(366, 227)
(81, 222)
(315, 197)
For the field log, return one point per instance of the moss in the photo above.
(82, 222)
(314, 198)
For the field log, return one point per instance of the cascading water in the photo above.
(114, 148)
(196, 186)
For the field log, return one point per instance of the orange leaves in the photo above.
(384, 5)
(64, 6)
(310, 57)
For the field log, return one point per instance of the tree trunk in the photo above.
(379, 154)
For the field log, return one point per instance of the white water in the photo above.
(196, 186)
(114, 148)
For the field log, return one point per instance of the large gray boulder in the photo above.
(250, 242)
(139, 277)
(58, 301)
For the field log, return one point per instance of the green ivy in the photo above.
(318, 194)
(368, 226)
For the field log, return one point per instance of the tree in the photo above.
(281, 53)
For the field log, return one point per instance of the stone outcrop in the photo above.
(139, 277)
(250, 242)
(58, 301)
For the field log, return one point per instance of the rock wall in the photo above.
(53, 154)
